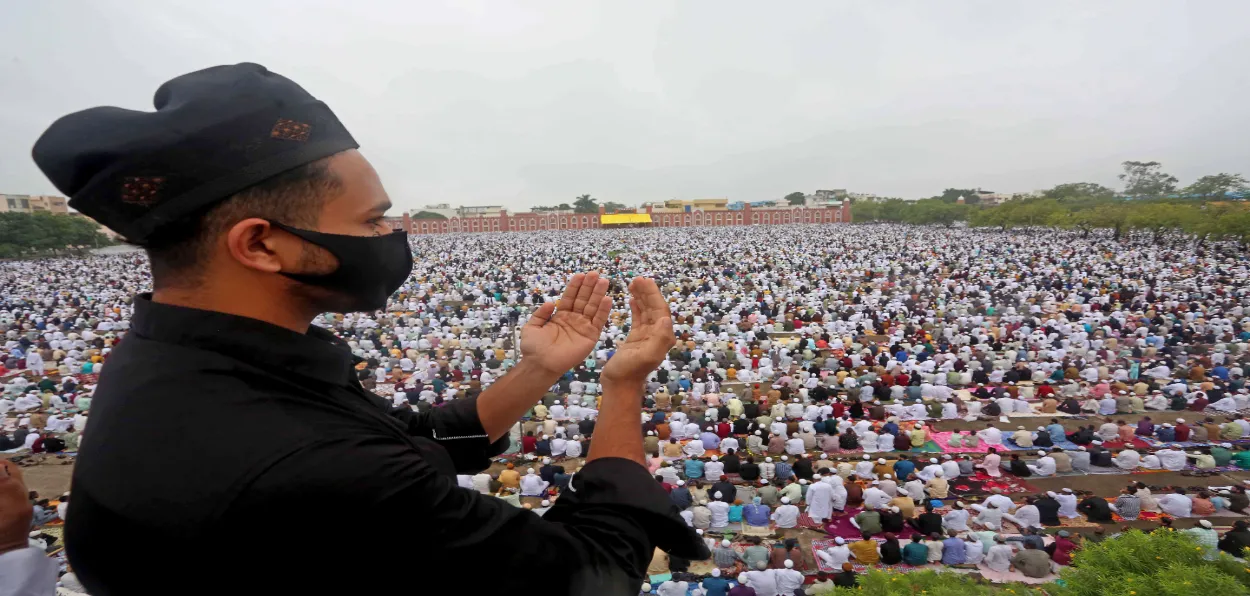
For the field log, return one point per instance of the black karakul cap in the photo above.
(214, 133)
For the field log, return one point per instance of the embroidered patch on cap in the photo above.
(141, 190)
(291, 130)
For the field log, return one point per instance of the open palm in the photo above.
(650, 334)
(560, 334)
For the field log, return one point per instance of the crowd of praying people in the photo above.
(813, 367)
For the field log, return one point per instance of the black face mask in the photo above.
(370, 268)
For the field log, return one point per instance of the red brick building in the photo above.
(659, 217)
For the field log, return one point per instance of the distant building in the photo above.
(669, 214)
(34, 204)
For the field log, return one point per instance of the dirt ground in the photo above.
(50, 477)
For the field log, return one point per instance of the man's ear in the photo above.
(257, 245)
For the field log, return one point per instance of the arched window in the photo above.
(755, 218)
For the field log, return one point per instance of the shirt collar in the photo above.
(317, 354)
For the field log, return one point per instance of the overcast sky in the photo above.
(527, 102)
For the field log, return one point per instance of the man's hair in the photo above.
(295, 197)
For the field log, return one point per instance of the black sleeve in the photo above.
(598, 537)
(457, 428)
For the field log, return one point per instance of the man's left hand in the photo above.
(560, 334)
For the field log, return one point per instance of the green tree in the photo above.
(796, 198)
(428, 215)
(585, 204)
(951, 195)
(613, 206)
(1160, 218)
(876, 582)
(1079, 190)
(1217, 186)
(1146, 180)
(41, 233)
(1155, 564)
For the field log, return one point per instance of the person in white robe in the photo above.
(819, 500)
(532, 485)
(1067, 503)
(1043, 466)
(1127, 459)
(1172, 459)
(786, 515)
(834, 556)
(572, 448)
(693, 448)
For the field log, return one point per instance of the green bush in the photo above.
(932, 583)
(1155, 564)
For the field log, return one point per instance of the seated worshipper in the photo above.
(934, 542)
(836, 555)
(532, 485)
(693, 448)
(956, 518)
(866, 550)
(756, 514)
(1032, 562)
(1127, 459)
(988, 516)
(916, 553)
(1176, 504)
(999, 556)
(1236, 540)
(991, 463)
(1043, 465)
(1018, 466)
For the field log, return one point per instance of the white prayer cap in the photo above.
(785, 500)
(763, 482)
(646, 587)
(1041, 452)
(1226, 445)
(36, 533)
(1021, 427)
(785, 458)
(1180, 420)
(802, 481)
(1041, 428)
(546, 460)
(839, 540)
(1204, 523)
(895, 509)
(1096, 442)
(824, 456)
(529, 471)
(960, 504)
(757, 433)
(815, 477)
(1081, 448)
(933, 460)
(715, 572)
(886, 476)
(650, 433)
(937, 473)
(699, 532)
(789, 564)
(546, 502)
(881, 460)
(768, 460)
(714, 458)
(681, 483)
(725, 543)
(718, 494)
(867, 457)
(546, 437)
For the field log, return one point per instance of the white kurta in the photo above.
(820, 501)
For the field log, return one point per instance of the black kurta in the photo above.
(227, 455)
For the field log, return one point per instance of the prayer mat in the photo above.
(1077, 522)
(819, 545)
(983, 484)
(806, 522)
(384, 390)
(942, 437)
(749, 530)
(929, 447)
(1107, 471)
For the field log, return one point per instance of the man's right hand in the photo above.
(15, 511)
(650, 336)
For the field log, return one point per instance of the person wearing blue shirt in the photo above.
(783, 470)
(1056, 431)
(710, 440)
(953, 550)
(756, 514)
(694, 469)
(903, 468)
(1220, 372)
(715, 585)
